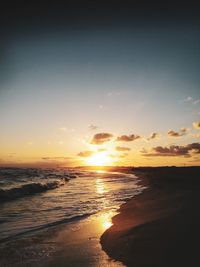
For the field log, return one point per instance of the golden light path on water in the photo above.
(105, 220)
(78, 243)
(100, 186)
(84, 248)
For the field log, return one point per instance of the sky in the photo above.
(99, 84)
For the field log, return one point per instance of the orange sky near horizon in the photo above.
(106, 149)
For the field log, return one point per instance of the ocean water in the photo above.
(35, 199)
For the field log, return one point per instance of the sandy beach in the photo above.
(75, 244)
(161, 226)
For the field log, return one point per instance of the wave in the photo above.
(29, 189)
(47, 226)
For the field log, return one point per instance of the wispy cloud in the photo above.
(192, 100)
(173, 151)
(92, 127)
(197, 101)
(101, 138)
(122, 148)
(153, 136)
(85, 154)
(188, 99)
(12, 154)
(172, 133)
(128, 138)
(124, 155)
(55, 161)
(55, 158)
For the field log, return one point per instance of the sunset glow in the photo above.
(99, 159)
(122, 94)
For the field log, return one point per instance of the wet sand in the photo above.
(76, 244)
(81, 244)
(160, 227)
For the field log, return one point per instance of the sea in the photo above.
(36, 199)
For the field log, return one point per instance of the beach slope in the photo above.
(159, 227)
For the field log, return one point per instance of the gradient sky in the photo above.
(70, 73)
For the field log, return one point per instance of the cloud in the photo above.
(55, 158)
(122, 148)
(197, 101)
(86, 153)
(173, 133)
(12, 154)
(54, 161)
(182, 132)
(128, 138)
(93, 127)
(153, 136)
(124, 155)
(196, 125)
(144, 151)
(188, 99)
(101, 138)
(192, 100)
(174, 150)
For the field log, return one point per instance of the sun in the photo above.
(99, 159)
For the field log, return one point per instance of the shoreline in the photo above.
(159, 227)
(76, 244)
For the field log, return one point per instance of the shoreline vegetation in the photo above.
(159, 227)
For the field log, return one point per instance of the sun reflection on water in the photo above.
(100, 171)
(105, 220)
(100, 186)
(107, 224)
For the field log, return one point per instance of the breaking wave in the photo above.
(29, 189)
